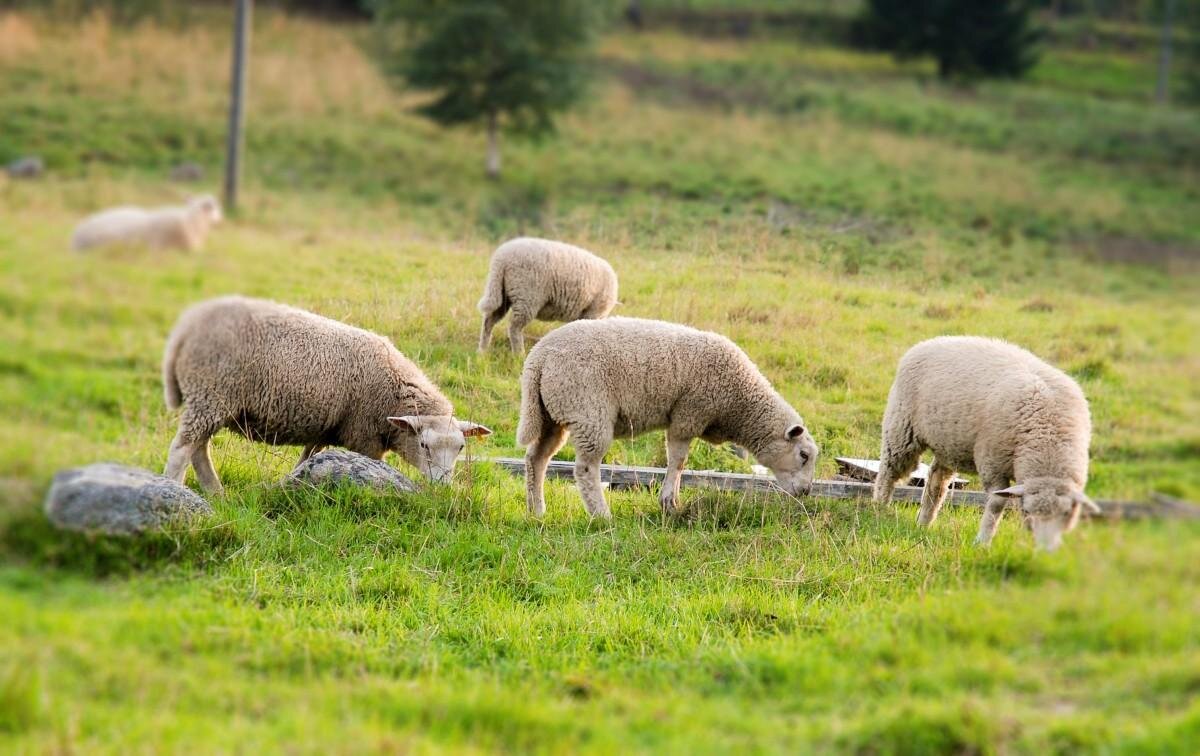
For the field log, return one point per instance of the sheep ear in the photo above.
(473, 429)
(1079, 497)
(794, 432)
(409, 423)
(1012, 492)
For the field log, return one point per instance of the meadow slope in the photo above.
(822, 207)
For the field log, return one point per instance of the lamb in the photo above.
(543, 280)
(281, 375)
(183, 227)
(986, 405)
(597, 379)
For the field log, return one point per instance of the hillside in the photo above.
(824, 207)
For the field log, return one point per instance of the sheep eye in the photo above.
(804, 458)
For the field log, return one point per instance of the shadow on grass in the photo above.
(928, 730)
(27, 536)
(358, 503)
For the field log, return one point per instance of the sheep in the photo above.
(281, 375)
(989, 406)
(597, 379)
(160, 228)
(543, 280)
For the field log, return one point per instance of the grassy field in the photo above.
(825, 208)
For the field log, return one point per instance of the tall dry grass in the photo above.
(18, 37)
(298, 67)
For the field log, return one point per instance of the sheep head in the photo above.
(1051, 508)
(432, 443)
(792, 457)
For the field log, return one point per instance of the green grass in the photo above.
(824, 239)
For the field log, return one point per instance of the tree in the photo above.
(967, 38)
(505, 63)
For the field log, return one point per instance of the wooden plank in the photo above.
(867, 469)
(625, 477)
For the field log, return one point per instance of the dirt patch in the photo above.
(741, 24)
(783, 216)
(682, 88)
(1038, 304)
(1176, 257)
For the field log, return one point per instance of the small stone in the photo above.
(187, 172)
(30, 166)
(337, 466)
(119, 500)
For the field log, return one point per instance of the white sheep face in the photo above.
(209, 206)
(433, 443)
(793, 460)
(1051, 509)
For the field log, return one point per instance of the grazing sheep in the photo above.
(623, 377)
(543, 280)
(161, 228)
(988, 406)
(285, 376)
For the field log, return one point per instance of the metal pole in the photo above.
(1164, 58)
(237, 99)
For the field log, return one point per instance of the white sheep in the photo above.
(543, 280)
(598, 379)
(173, 227)
(286, 376)
(988, 406)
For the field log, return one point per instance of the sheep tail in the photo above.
(171, 392)
(533, 412)
(493, 290)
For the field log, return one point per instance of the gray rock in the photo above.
(119, 500)
(30, 166)
(337, 466)
(187, 172)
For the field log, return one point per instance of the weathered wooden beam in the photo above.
(866, 470)
(622, 477)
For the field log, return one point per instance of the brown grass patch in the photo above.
(1038, 304)
(298, 66)
(18, 38)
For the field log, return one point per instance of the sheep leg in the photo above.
(992, 511)
(205, 473)
(587, 476)
(485, 333)
(310, 450)
(897, 460)
(935, 493)
(517, 320)
(677, 454)
(178, 458)
(537, 459)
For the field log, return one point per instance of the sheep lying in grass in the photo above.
(160, 228)
(285, 376)
(543, 280)
(988, 406)
(623, 377)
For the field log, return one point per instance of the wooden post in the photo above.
(1164, 57)
(493, 146)
(237, 103)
